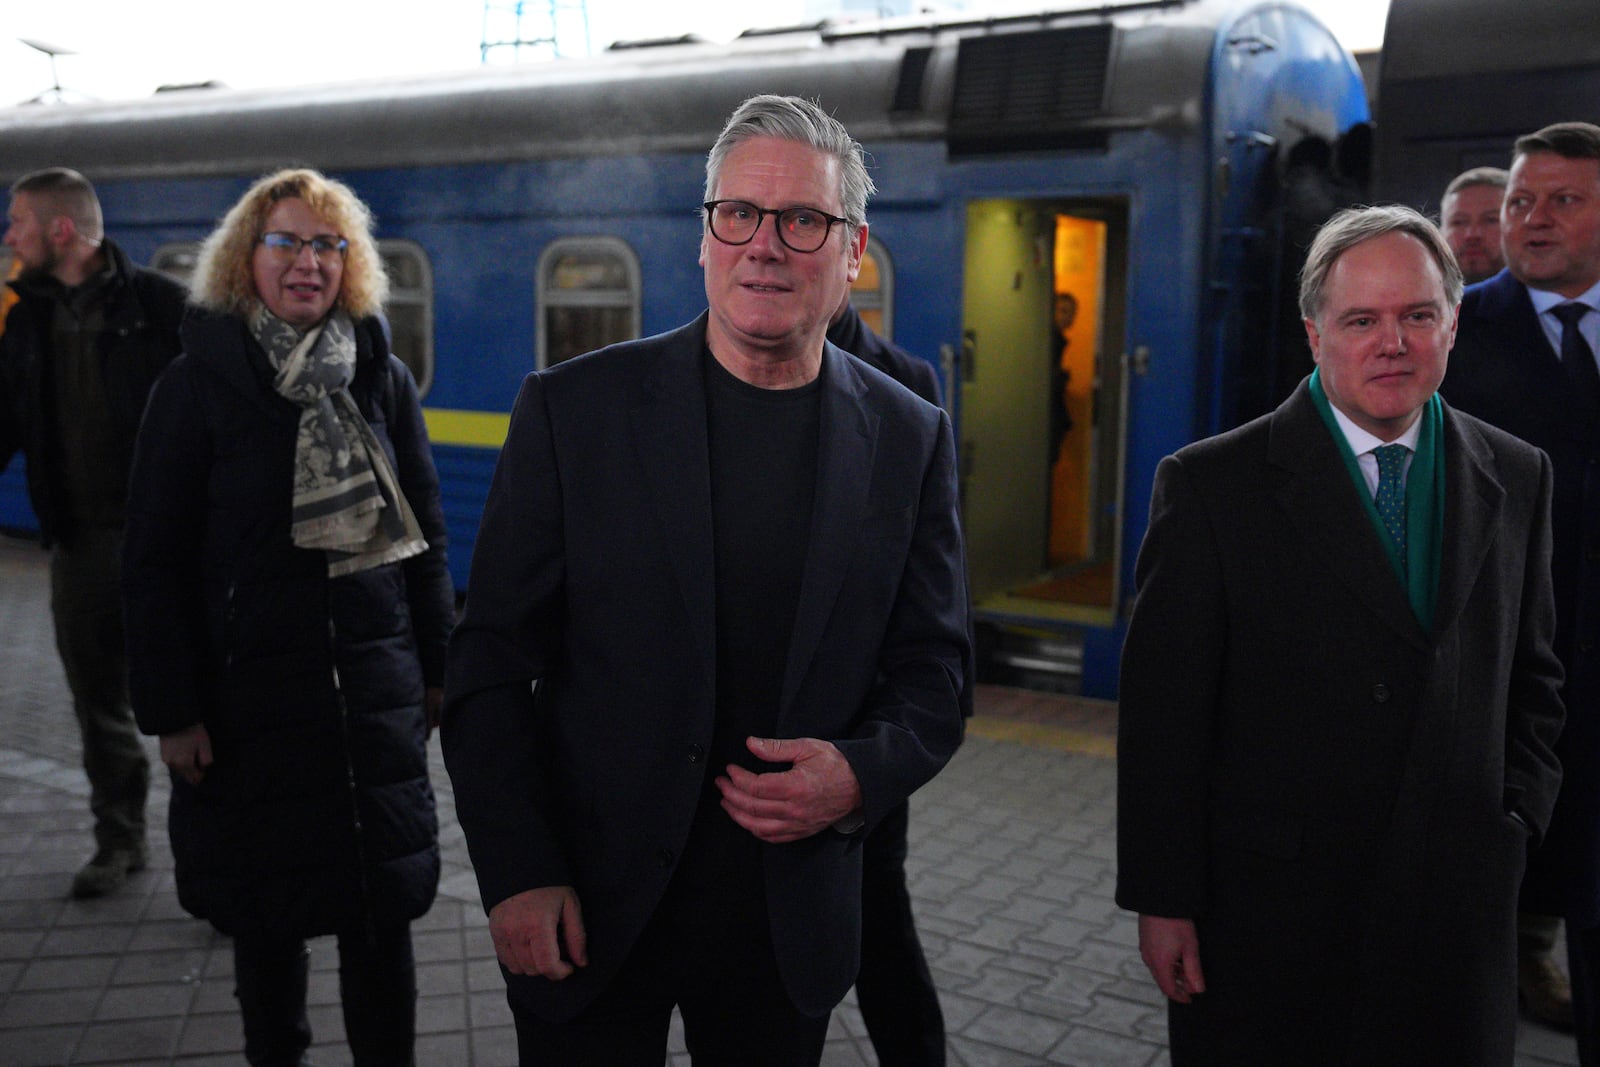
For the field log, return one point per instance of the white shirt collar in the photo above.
(1544, 299)
(1362, 442)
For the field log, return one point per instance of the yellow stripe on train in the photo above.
(475, 429)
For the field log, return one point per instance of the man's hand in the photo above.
(819, 789)
(530, 929)
(187, 752)
(1171, 949)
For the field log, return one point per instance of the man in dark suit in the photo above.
(895, 990)
(730, 559)
(1525, 361)
(1339, 695)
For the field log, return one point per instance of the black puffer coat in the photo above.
(317, 814)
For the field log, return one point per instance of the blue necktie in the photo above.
(1577, 356)
(1391, 498)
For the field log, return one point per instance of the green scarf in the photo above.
(1419, 571)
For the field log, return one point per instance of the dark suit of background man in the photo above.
(1469, 216)
(81, 348)
(731, 560)
(1519, 366)
(1339, 695)
(899, 1002)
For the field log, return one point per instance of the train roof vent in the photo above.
(1030, 90)
(913, 72)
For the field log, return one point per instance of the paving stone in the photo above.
(117, 1043)
(1087, 1047)
(39, 1046)
(49, 1008)
(146, 1001)
(1019, 1031)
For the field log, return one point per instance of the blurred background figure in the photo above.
(88, 333)
(1524, 360)
(1469, 215)
(286, 585)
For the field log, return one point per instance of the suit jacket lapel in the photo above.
(1473, 498)
(668, 418)
(1322, 504)
(847, 441)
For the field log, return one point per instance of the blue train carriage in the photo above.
(1460, 80)
(1080, 223)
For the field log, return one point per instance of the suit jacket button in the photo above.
(664, 858)
(1380, 694)
(696, 753)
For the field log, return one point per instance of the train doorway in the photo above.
(1042, 408)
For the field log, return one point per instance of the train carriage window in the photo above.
(873, 291)
(410, 308)
(589, 295)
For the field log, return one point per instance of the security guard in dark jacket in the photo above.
(82, 347)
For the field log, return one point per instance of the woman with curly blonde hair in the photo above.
(288, 605)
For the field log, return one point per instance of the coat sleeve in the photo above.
(1534, 710)
(428, 587)
(163, 598)
(1172, 674)
(912, 722)
(508, 638)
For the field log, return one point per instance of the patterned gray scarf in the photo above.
(347, 501)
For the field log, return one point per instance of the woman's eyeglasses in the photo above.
(286, 247)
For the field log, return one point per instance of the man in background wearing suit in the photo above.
(730, 559)
(1525, 361)
(1339, 695)
(895, 990)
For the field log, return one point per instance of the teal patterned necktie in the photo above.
(1391, 498)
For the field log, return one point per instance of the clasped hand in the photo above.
(817, 790)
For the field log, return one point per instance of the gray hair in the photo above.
(1494, 176)
(794, 119)
(1357, 225)
(60, 191)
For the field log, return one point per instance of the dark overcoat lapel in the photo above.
(1321, 504)
(668, 418)
(847, 442)
(1334, 521)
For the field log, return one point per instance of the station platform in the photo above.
(1012, 868)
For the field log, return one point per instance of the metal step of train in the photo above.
(1046, 659)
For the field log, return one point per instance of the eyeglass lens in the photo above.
(287, 245)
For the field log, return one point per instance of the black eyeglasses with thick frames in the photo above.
(286, 246)
(801, 229)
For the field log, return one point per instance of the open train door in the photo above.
(1043, 428)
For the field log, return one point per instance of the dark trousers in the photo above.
(377, 990)
(1583, 965)
(718, 968)
(86, 603)
(898, 1001)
